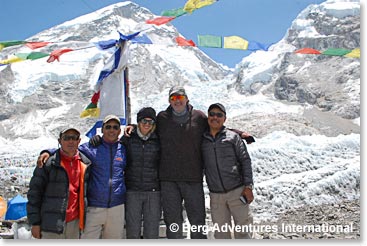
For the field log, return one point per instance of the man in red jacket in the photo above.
(57, 192)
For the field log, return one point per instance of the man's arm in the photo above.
(246, 167)
(37, 187)
(244, 135)
(128, 130)
(36, 231)
(43, 157)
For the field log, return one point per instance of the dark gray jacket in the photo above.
(181, 159)
(227, 163)
(49, 192)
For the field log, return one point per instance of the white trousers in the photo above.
(105, 223)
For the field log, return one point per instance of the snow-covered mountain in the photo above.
(304, 110)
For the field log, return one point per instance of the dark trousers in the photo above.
(192, 194)
(143, 206)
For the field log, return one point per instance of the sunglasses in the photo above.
(70, 137)
(115, 127)
(145, 121)
(177, 97)
(219, 114)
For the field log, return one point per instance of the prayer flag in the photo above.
(160, 20)
(336, 52)
(183, 42)
(307, 51)
(192, 5)
(174, 12)
(210, 41)
(235, 42)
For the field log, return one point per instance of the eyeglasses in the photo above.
(70, 137)
(219, 114)
(115, 127)
(177, 97)
(145, 121)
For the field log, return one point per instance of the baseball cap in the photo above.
(68, 129)
(177, 90)
(111, 117)
(217, 105)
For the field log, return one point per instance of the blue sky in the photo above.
(264, 21)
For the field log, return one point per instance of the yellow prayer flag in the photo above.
(11, 59)
(191, 5)
(356, 53)
(90, 112)
(235, 42)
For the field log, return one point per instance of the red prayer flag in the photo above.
(160, 20)
(36, 45)
(55, 55)
(95, 97)
(183, 42)
(307, 51)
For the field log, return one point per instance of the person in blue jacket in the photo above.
(106, 195)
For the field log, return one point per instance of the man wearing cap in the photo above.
(57, 192)
(106, 188)
(228, 173)
(180, 128)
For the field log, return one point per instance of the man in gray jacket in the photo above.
(228, 174)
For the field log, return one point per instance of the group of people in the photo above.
(90, 191)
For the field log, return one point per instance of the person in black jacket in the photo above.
(180, 128)
(57, 192)
(142, 183)
(228, 173)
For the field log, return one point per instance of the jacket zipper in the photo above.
(110, 179)
(142, 168)
(216, 164)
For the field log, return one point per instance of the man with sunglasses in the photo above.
(106, 188)
(228, 173)
(57, 192)
(180, 128)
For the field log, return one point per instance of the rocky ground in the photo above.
(312, 121)
(328, 221)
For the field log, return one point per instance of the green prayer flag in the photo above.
(32, 55)
(11, 43)
(336, 52)
(36, 55)
(210, 41)
(174, 12)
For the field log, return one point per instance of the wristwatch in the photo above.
(249, 186)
